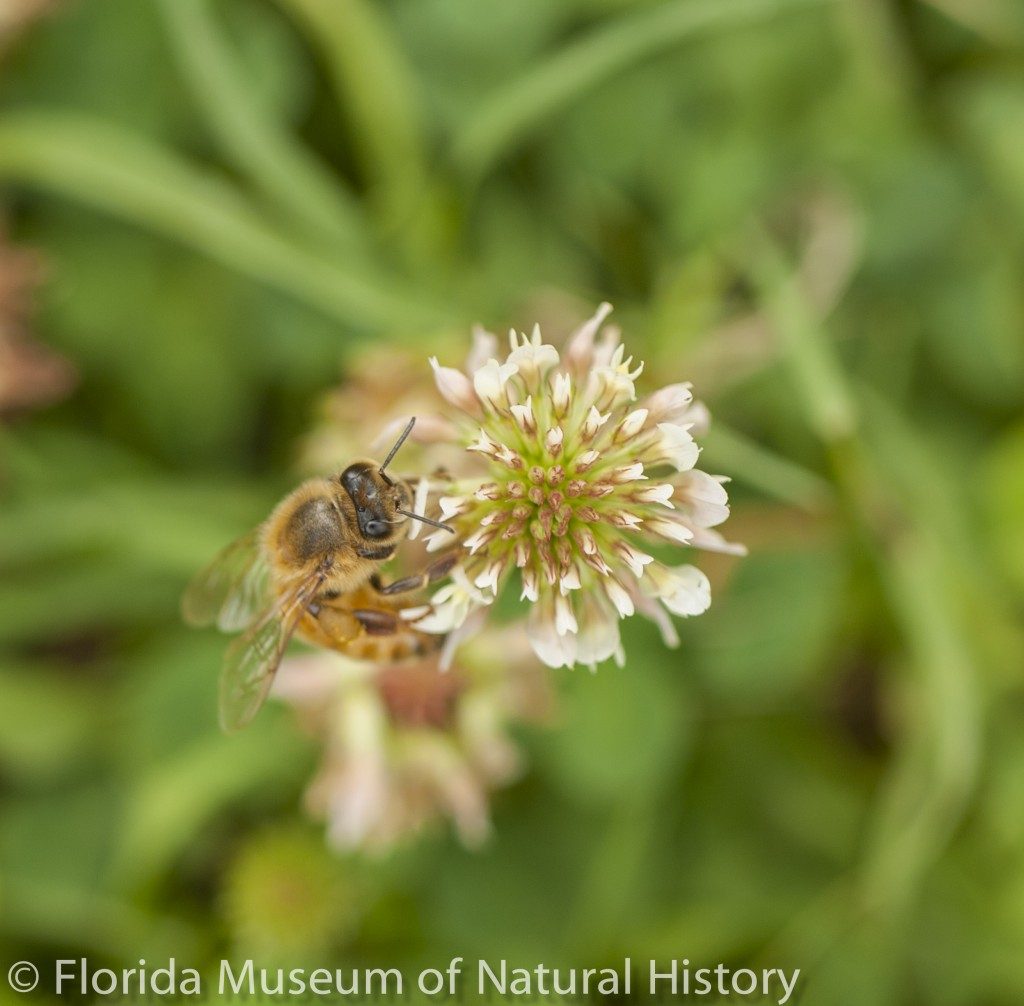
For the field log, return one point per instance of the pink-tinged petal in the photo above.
(697, 418)
(712, 541)
(455, 387)
(579, 353)
(309, 680)
(485, 346)
(669, 404)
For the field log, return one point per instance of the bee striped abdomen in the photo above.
(392, 649)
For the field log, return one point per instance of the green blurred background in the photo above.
(814, 210)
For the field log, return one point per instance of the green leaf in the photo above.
(116, 172)
(248, 133)
(505, 117)
(1002, 491)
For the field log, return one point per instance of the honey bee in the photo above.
(312, 568)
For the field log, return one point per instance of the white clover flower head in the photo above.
(578, 479)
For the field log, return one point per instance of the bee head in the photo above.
(376, 502)
(383, 505)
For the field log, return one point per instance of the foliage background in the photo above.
(813, 209)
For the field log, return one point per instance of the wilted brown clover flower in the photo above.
(578, 479)
(31, 375)
(408, 743)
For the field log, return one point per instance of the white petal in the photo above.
(524, 415)
(692, 593)
(620, 597)
(632, 424)
(437, 540)
(570, 580)
(490, 380)
(561, 393)
(452, 506)
(595, 420)
(489, 577)
(565, 620)
(484, 444)
(529, 592)
(702, 498)
(676, 446)
(553, 649)
(419, 507)
(669, 404)
(670, 529)
(598, 635)
(712, 541)
(635, 559)
(657, 494)
(629, 473)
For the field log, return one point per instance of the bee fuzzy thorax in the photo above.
(304, 527)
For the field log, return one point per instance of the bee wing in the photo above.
(252, 659)
(233, 590)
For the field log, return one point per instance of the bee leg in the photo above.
(376, 622)
(435, 571)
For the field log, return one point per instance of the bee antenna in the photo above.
(394, 450)
(427, 520)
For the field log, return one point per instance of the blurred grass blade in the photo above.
(754, 465)
(173, 801)
(934, 767)
(996, 21)
(257, 145)
(817, 375)
(378, 94)
(111, 170)
(42, 911)
(504, 117)
(933, 776)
